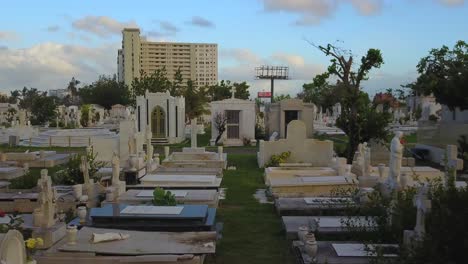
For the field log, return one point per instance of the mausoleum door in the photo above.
(158, 122)
(288, 117)
(233, 120)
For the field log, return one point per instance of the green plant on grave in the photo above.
(72, 174)
(162, 197)
(275, 160)
(16, 222)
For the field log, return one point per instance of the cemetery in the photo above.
(168, 204)
(170, 165)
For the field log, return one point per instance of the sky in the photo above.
(43, 44)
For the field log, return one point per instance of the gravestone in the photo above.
(12, 248)
(46, 225)
(303, 149)
(178, 218)
(423, 206)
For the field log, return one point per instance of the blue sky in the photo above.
(45, 43)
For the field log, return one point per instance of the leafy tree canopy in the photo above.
(349, 78)
(106, 91)
(223, 89)
(444, 73)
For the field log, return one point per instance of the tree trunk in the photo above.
(220, 134)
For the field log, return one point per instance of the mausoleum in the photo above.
(240, 124)
(278, 115)
(165, 115)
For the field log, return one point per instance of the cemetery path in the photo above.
(252, 232)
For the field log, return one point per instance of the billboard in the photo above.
(264, 94)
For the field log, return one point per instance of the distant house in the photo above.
(60, 93)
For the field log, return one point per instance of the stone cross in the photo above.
(233, 91)
(193, 133)
(115, 168)
(396, 156)
(423, 206)
(46, 200)
(451, 162)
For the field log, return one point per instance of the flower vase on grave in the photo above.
(71, 234)
(308, 236)
(133, 162)
(82, 214)
(302, 231)
(110, 194)
(403, 180)
(311, 247)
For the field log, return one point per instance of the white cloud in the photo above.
(201, 22)
(452, 2)
(314, 11)
(53, 28)
(244, 61)
(8, 35)
(168, 27)
(50, 65)
(102, 26)
(311, 12)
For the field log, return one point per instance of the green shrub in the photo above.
(72, 174)
(163, 198)
(275, 160)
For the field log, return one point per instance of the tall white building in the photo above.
(197, 61)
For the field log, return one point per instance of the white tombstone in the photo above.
(12, 248)
(44, 216)
(423, 206)
(220, 152)
(193, 133)
(166, 152)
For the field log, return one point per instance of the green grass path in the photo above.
(252, 231)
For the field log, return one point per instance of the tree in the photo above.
(73, 86)
(176, 88)
(444, 73)
(220, 91)
(157, 81)
(106, 91)
(242, 90)
(349, 80)
(195, 101)
(43, 110)
(41, 107)
(281, 97)
(219, 122)
(11, 113)
(85, 115)
(223, 90)
(321, 93)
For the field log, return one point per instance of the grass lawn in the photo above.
(252, 232)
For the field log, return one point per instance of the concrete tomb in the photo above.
(180, 218)
(303, 149)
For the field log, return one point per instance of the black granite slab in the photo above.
(192, 218)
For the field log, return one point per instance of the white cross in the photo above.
(233, 91)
